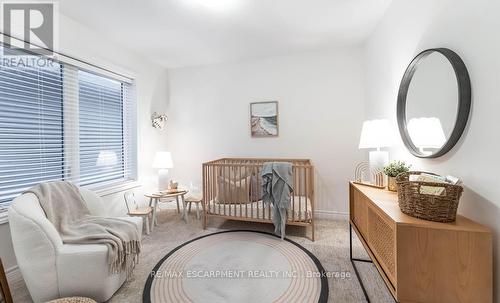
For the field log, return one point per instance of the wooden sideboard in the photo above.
(422, 261)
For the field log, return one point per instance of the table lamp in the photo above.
(377, 134)
(426, 133)
(163, 161)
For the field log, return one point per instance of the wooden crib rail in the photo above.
(259, 161)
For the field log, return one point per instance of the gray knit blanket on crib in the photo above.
(277, 186)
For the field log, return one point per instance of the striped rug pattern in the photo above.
(237, 266)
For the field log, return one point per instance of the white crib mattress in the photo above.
(261, 211)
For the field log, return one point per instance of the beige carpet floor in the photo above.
(331, 248)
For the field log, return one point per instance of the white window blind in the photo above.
(31, 128)
(62, 122)
(101, 129)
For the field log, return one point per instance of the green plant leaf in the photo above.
(395, 168)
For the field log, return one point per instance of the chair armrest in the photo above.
(93, 257)
(137, 221)
(83, 270)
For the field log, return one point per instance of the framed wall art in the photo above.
(264, 119)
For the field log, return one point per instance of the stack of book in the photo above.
(434, 190)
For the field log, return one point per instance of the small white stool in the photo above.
(197, 200)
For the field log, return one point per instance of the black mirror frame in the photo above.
(464, 101)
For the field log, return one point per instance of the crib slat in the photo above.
(263, 204)
(234, 189)
(300, 193)
(213, 185)
(219, 188)
(307, 192)
(269, 211)
(208, 188)
(246, 189)
(231, 190)
(312, 193)
(246, 204)
(210, 185)
(263, 213)
(206, 180)
(226, 190)
(233, 185)
(256, 206)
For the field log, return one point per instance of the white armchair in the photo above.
(52, 269)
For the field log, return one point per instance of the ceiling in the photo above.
(178, 33)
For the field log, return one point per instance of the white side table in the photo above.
(154, 199)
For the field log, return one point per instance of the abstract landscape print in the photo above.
(264, 119)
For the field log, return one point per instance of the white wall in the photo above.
(152, 93)
(470, 28)
(320, 115)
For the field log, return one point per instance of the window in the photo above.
(101, 129)
(64, 122)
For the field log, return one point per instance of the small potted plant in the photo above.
(394, 169)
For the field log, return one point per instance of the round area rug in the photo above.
(237, 266)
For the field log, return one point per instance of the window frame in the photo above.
(70, 117)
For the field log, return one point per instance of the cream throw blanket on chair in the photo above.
(67, 211)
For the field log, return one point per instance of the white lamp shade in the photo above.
(163, 160)
(376, 134)
(426, 132)
(106, 158)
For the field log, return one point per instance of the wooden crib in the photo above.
(232, 190)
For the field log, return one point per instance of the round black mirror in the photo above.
(434, 102)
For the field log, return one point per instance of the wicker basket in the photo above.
(412, 202)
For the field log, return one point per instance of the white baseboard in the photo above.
(13, 274)
(331, 215)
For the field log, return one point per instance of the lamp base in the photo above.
(377, 160)
(162, 179)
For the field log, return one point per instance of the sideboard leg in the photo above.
(356, 270)
(354, 264)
